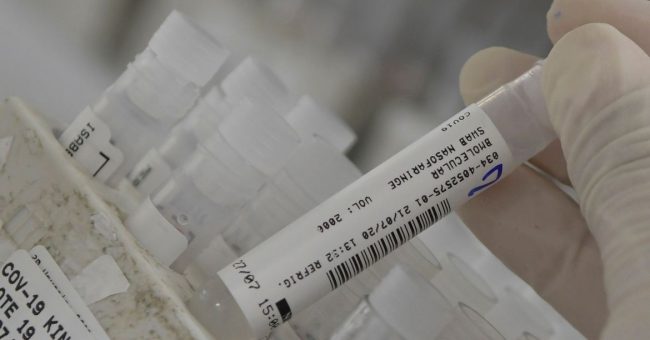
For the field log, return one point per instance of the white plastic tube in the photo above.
(156, 167)
(406, 306)
(205, 195)
(314, 173)
(249, 81)
(254, 81)
(377, 213)
(159, 87)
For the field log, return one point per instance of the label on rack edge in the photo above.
(87, 140)
(31, 307)
(57, 278)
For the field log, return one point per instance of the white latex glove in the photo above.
(597, 86)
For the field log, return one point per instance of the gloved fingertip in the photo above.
(563, 16)
(588, 68)
(631, 17)
(490, 68)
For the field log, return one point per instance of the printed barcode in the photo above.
(374, 252)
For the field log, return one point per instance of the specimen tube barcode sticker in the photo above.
(367, 220)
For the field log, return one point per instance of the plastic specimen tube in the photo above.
(136, 113)
(156, 167)
(207, 192)
(315, 172)
(388, 313)
(373, 216)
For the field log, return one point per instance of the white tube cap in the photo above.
(264, 139)
(156, 234)
(314, 172)
(320, 169)
(158, 91)
(199, 124)
(205, 117)
(311, 119)
(185, 47)
(256, 82)
(223, 177)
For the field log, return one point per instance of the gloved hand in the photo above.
(596, 84)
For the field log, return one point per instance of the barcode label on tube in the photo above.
(376, 251)
(372, 217)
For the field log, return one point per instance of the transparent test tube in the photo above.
(250, 81)
(406, 306)
(377, 213)
(314, 172)
(158, 164)
(205, 195)
(255, 81)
